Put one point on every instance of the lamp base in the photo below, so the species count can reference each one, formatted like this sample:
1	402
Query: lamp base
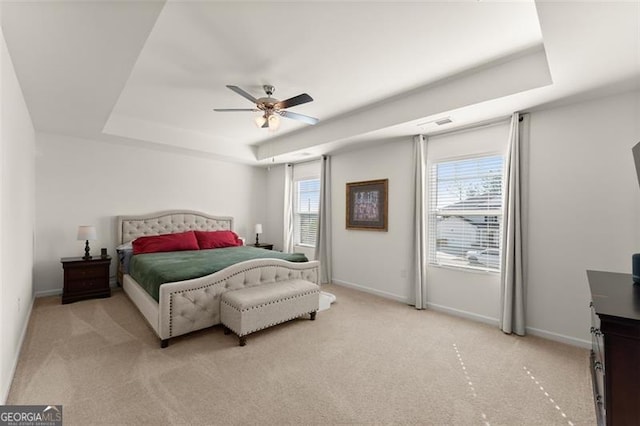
257	241
87	251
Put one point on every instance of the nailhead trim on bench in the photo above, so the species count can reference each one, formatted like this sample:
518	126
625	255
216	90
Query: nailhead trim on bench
269	303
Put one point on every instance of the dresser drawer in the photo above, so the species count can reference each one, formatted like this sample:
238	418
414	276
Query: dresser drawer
597	345
597	379
595	319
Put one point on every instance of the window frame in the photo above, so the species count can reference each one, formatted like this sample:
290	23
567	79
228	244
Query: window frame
433	213
297	214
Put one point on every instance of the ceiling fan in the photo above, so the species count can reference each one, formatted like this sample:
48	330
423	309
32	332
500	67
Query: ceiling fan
272	108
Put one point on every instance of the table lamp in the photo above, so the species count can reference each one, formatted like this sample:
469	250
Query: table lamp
258	232
87	233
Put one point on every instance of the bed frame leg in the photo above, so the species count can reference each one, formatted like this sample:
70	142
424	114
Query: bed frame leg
164	343
242	340
313	315
227	330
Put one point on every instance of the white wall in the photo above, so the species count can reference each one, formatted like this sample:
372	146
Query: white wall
584	206
17	205
584	214
84	182
380	262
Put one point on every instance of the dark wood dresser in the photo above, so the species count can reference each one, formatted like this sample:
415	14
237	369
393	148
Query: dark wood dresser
615	356
85	279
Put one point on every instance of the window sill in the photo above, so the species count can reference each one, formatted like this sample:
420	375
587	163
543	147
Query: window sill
307	246
465	269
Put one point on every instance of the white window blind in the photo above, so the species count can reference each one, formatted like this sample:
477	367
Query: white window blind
307	200
465	212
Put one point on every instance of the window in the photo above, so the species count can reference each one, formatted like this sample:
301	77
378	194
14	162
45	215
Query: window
465	212
306	202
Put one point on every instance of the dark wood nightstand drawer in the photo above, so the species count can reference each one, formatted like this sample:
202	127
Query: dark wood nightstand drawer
97	271
85	285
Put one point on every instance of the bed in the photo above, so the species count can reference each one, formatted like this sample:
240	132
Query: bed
189	305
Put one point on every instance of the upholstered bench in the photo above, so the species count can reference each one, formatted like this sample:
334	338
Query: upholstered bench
251	309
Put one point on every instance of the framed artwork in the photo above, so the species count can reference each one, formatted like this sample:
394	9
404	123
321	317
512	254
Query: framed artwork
367	205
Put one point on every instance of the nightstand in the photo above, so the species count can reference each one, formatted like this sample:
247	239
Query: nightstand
263	246
85	279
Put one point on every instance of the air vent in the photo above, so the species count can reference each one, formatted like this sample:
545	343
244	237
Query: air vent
438	122
443	121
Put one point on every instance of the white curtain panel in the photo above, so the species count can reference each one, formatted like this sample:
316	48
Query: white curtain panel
287	238
323	240
420	220
513	277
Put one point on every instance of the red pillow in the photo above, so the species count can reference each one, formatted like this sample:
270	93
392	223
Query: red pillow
165	242
217	239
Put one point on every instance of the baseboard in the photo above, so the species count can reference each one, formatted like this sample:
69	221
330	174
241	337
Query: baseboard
58	291
380	293
7	386
435	307
470	315
45	293
559	337
464	314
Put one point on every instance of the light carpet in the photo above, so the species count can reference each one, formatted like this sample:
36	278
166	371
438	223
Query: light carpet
367	360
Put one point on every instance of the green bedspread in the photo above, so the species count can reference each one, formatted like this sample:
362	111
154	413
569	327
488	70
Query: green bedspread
151	270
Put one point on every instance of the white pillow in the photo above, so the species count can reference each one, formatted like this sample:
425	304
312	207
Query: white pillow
125	246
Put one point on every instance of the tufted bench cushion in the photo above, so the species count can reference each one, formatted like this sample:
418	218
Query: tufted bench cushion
251	309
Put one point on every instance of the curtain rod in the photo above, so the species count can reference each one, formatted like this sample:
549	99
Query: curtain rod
306	161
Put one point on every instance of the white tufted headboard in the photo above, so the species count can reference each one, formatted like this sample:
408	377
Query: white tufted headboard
169	222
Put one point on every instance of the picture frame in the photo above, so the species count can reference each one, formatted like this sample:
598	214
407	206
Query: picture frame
367	205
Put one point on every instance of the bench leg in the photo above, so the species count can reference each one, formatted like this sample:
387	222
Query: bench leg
313	315
242	340
164	343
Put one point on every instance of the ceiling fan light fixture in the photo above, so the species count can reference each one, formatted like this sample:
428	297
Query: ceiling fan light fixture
260	120
271	109
274	122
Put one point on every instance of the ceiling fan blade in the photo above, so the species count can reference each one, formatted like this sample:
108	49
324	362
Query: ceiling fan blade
300	117
242	93
296	100
235	109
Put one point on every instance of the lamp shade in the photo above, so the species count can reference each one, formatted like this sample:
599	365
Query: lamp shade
260	120
87	233
258	228
274	122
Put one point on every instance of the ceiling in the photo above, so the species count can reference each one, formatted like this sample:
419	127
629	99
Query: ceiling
150	73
